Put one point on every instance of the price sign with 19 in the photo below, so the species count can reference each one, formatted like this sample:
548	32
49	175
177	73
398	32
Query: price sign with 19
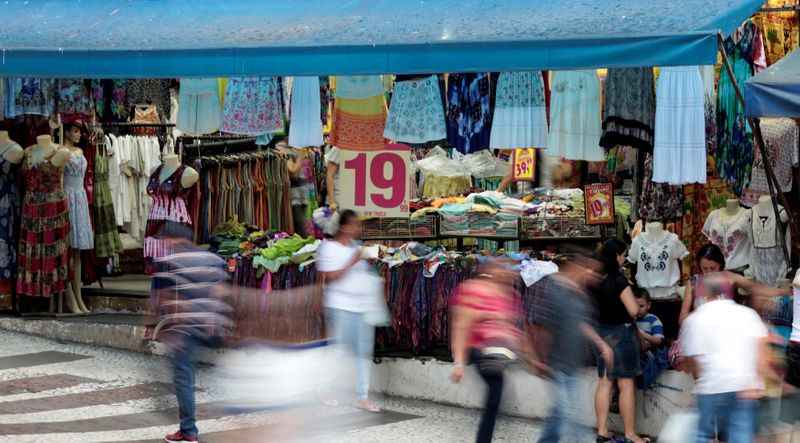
375	183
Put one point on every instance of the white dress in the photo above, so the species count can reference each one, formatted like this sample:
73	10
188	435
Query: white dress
520	113
679	151
305	127
769	263
658	269
575	125
732	234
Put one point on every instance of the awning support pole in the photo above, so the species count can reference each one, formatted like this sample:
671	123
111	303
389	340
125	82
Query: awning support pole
775	191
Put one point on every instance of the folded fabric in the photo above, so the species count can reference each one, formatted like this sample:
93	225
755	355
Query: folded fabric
534	270
286	247
455	208
271	265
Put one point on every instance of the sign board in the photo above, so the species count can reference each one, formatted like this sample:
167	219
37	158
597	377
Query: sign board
375	183
523	165
599	204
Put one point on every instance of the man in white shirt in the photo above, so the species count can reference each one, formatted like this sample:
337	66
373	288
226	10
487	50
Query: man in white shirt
723	342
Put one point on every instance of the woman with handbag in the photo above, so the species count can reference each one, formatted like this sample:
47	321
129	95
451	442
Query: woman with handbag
349	303
486	333
617	309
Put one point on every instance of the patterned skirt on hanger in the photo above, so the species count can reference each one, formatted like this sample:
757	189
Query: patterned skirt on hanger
416	114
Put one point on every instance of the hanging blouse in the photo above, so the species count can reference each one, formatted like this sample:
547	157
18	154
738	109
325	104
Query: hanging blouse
28	96
732	234
782	139
148	92
109	100
73	100
658	266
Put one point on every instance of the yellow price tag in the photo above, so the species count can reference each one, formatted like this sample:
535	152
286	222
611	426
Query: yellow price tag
524	165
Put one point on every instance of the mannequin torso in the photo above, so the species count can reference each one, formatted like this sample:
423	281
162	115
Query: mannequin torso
10	150
732	207
170	165
764	209
45	148
655	233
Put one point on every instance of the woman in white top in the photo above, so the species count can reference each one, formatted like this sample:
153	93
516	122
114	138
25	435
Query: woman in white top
347	300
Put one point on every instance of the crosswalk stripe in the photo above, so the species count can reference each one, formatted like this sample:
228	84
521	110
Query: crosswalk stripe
38	359
42	383
83	399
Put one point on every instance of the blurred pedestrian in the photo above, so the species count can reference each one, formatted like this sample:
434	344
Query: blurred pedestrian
486	333
560	322
298	190
723	346
348	300
190	294
617	310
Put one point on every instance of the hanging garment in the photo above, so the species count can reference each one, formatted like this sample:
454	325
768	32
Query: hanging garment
148	92
73	100
305	127
698	202
734	135
658	268
252	106
169	216
769	263
679	153
575	116
28	96
659	201
9	216
733	235
782	139
198	106
781	30
108	98
147	115
629	109
416	114
44	232
359	113
707	73
520	113
107	242
469	113
81	234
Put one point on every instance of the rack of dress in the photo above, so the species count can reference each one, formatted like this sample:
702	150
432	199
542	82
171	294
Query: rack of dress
237	182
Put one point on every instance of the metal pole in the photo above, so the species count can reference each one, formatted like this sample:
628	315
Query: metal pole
775	191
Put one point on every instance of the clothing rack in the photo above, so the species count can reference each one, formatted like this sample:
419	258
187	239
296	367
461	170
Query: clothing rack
139	125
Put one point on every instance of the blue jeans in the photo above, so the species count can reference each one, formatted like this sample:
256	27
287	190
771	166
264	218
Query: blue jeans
352	333
733	416
183	380
560	420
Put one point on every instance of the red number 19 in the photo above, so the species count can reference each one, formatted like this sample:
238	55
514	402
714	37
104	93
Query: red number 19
396	181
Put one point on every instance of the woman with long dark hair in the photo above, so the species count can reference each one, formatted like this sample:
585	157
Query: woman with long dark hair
616	324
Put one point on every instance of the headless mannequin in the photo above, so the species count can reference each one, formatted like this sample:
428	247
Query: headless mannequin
70	138
654	232
764	208
732	207
11	151
170	165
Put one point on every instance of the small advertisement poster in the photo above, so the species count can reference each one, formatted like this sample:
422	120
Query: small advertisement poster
599	201
524	165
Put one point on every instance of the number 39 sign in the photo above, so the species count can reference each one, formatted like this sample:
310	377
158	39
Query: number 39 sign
375	183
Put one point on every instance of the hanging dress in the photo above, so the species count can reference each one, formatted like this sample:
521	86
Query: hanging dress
253	106
520	114
469	113
169	215
80	222
679	152
198	106
9	217
416	113
629	109
575	116
106	241
768	261
44	231
734	136
359	113
305	128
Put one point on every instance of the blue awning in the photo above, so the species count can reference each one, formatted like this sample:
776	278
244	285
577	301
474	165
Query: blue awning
775	91
184	38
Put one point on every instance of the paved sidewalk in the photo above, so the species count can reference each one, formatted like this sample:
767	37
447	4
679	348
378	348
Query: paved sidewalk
66	392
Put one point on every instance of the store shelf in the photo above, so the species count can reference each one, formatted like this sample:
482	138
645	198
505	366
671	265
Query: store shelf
561	228
396	228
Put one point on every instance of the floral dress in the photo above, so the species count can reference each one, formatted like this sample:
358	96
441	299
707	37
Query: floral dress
81	233
253	106
44	233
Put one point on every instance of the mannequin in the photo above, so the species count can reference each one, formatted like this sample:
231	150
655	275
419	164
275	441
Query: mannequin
81	234
769	261
729	229
45	214
171	164
11	151
657	254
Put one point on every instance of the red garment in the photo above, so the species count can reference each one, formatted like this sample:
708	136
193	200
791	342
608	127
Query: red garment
482	296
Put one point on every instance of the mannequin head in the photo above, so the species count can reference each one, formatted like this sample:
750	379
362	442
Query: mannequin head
72	133
710	259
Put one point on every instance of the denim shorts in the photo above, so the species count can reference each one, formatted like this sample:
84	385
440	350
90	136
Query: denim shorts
622	339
